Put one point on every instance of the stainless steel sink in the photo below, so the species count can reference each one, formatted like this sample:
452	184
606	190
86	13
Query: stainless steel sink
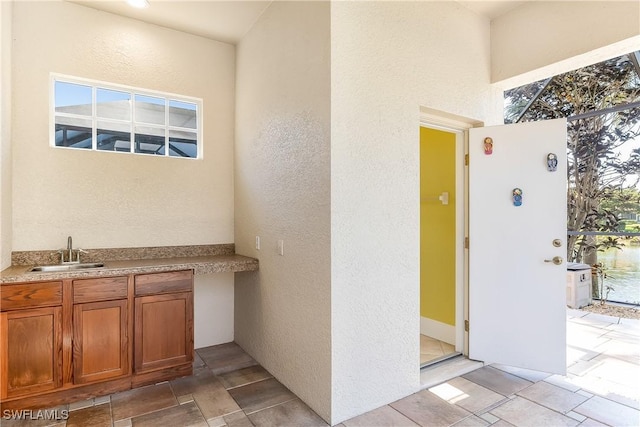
66	267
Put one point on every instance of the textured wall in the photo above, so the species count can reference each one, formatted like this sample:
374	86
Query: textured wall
108	199
387	60
120	200
545	34
282	193
5	135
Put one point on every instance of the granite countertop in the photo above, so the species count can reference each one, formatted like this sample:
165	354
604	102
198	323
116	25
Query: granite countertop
212	259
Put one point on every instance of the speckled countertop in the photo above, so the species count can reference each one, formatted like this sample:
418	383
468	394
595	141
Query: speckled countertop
203	259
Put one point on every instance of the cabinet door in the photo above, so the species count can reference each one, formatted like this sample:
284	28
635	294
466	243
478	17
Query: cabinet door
163	331
100	344
31	351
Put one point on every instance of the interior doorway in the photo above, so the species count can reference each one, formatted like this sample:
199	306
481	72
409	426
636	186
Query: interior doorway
442	202
529	276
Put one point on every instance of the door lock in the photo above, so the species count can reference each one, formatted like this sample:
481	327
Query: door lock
557	260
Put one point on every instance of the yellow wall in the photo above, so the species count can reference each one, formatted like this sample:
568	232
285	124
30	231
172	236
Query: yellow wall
437	225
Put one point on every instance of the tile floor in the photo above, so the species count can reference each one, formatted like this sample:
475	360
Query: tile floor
228	388
432	349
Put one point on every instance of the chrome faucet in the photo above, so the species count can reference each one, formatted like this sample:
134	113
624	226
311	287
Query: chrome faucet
69	251
70	248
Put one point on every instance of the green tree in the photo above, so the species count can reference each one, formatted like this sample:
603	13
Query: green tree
602	104
622	201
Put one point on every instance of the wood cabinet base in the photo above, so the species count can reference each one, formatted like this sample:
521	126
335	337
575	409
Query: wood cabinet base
166	374
77	393
74	339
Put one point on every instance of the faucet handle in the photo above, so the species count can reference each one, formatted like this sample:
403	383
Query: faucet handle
78	252
61	252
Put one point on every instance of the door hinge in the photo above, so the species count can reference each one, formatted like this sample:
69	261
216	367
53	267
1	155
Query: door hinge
466	160
466	243
466	326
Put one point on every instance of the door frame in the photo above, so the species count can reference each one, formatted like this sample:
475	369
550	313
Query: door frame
459	126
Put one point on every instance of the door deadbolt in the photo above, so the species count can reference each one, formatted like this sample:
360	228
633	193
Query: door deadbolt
557	243
557	260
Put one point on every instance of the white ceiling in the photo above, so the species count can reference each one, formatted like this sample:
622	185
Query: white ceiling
226	21
229	21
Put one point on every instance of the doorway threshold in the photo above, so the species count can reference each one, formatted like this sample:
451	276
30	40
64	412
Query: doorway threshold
446	369
439	359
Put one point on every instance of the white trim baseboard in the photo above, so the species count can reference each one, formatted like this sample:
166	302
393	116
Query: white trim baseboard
438	330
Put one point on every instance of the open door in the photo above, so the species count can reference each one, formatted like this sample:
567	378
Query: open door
517	271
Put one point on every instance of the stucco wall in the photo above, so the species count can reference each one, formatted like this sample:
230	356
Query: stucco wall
5	135
282	183
387	60
544	34
106	199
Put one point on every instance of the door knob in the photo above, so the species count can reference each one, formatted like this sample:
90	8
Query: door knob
557	260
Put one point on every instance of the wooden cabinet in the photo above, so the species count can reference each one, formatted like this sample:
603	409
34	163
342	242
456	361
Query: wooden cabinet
31	338
163	321
66	340
100	329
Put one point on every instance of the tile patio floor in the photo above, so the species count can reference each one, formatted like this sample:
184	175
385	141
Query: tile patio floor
229	388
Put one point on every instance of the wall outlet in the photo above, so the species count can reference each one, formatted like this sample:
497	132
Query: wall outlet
258	242
281	247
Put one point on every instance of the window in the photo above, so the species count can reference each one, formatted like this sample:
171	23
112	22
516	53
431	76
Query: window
107	117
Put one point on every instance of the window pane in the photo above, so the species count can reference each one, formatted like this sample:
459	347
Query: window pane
149	140
113	104
114	136
183	144
123	119
73	132
149	109
73	98
182	114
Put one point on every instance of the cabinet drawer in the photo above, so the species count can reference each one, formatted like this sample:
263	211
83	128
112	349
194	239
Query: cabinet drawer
162	283
100	289
28	295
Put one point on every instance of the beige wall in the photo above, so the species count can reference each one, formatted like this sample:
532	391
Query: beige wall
108	199
5	135
552	37
387	60
282	183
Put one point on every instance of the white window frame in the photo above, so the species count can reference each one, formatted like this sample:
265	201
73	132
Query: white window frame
132	91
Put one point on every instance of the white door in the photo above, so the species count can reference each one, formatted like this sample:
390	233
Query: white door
517	299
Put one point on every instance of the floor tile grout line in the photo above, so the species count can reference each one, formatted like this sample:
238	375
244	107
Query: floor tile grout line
472	414
551	409
400	412
590	417
607	399
521	377
195	402
412	420
193	397
151	412
110	412
249	383
493	406
271	406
